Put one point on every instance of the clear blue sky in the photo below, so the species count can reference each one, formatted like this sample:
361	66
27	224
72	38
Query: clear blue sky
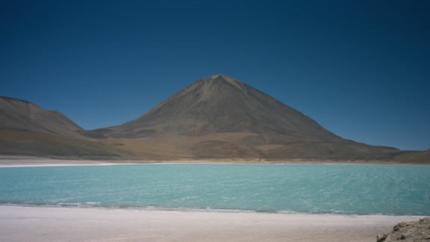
360	68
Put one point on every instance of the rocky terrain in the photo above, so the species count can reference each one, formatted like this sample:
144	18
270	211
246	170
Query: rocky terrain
417	231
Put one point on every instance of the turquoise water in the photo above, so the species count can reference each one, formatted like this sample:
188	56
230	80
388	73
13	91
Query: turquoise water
302	188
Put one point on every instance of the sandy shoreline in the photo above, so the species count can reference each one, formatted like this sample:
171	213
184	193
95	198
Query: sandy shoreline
19	223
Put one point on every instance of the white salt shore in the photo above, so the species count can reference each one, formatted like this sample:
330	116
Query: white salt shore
19	223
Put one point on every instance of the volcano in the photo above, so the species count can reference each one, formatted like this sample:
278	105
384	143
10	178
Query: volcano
221	117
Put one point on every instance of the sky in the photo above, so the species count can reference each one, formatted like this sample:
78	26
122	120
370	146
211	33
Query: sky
359	68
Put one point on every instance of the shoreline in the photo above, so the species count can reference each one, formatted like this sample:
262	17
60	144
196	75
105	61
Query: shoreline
94	205
25	223
18	161
35	165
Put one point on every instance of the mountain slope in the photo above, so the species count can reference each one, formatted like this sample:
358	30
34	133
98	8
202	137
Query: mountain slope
24	115
27	129
223	118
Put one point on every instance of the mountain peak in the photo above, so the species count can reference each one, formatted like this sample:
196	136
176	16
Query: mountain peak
223	79
220	77
6	98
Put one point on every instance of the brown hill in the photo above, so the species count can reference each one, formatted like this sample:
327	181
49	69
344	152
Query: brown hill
27	129
24	115
223	118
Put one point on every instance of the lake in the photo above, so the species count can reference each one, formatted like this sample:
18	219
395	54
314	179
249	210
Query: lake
290	188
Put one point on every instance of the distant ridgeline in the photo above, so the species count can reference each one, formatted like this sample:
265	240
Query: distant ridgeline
215	118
